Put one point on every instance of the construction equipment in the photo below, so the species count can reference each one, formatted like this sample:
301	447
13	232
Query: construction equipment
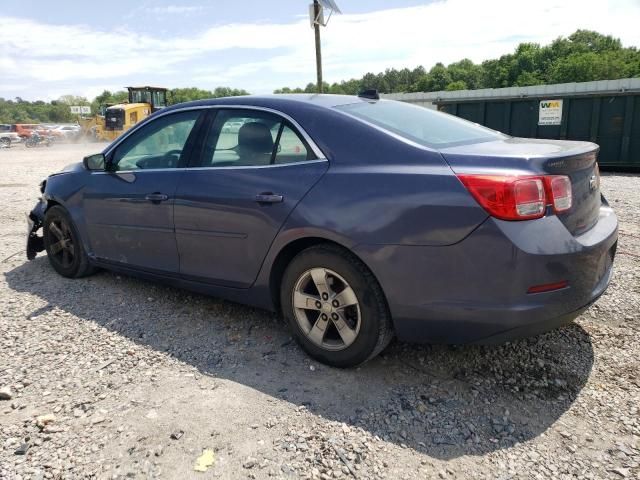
91	125
119	118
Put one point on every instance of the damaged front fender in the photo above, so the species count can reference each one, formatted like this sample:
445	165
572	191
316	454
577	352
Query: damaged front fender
35	219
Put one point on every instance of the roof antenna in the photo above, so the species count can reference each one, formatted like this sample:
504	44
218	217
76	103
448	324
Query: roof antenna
370	93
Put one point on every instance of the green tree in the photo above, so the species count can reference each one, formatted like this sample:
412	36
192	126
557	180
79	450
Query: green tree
582	56
108	98
228	92
467	72
588	66
438	77
73	100
457	85
181	95
590	41
57	111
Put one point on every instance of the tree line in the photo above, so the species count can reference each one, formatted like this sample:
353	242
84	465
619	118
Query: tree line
57	111
581	57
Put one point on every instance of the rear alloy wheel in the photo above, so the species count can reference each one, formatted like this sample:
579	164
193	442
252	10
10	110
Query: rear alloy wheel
326	309
64	249
335	307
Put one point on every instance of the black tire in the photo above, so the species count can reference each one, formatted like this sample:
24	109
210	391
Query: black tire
5	142
62	243
375	326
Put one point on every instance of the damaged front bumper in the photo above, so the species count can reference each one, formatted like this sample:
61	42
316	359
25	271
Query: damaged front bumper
35	219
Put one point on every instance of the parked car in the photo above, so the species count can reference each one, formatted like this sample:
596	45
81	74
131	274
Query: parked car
68	132
8	136
50	130
233	127
356	218
25	130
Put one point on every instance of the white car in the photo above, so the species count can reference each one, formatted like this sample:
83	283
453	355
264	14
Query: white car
66	131
7	136
232	126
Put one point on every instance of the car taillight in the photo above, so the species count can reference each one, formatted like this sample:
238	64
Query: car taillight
560	187
509	197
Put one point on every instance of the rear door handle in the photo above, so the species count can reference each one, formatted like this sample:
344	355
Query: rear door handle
156	197
269	198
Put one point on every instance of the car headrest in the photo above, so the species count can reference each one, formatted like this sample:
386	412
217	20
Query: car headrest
256	137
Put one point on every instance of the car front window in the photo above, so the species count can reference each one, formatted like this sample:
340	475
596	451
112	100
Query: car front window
418	124
157	145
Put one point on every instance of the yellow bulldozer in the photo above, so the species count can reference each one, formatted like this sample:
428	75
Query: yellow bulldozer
113	120
90	125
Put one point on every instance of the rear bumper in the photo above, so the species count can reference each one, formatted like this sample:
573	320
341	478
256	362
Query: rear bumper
476	290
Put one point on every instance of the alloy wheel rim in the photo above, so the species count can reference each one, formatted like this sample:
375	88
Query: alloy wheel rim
62	247
326	309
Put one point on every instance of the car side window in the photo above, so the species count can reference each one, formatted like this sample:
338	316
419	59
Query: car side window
291	148
158	144
251	138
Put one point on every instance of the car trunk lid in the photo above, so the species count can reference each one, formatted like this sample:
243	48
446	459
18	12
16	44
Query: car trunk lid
524	156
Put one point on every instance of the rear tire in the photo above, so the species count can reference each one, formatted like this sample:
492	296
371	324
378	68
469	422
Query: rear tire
335	307
5	142
63	245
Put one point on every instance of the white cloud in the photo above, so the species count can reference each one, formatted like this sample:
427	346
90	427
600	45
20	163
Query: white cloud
176	9
40	60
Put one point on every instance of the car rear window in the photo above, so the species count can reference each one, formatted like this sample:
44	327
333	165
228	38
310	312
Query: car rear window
421	125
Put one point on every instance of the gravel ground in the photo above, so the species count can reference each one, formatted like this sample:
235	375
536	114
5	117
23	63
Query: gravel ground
112	377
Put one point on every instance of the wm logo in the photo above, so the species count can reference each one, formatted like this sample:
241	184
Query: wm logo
555	104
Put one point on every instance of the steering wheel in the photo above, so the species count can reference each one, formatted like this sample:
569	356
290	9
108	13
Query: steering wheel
168	159
172	153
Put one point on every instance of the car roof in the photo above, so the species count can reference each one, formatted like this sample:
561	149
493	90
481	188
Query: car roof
279	101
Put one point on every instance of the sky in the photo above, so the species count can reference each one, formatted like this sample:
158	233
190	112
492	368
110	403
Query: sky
83	47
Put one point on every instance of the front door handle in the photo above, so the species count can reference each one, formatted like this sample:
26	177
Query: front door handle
156	197
269	197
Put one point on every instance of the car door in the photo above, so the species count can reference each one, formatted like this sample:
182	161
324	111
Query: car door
129	207
253	169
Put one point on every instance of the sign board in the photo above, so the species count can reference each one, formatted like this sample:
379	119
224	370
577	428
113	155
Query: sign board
330	5
312	15
550	112
77	110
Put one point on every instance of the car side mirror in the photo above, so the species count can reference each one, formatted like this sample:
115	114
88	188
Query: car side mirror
94	162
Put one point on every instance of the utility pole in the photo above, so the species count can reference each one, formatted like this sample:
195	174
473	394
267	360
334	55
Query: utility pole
316	14
316	26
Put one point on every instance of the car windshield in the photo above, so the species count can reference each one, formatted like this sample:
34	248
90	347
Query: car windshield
421	125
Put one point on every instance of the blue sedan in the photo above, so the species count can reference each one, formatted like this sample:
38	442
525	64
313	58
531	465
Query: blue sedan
356	218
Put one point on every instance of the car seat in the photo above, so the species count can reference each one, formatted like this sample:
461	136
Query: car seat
255	144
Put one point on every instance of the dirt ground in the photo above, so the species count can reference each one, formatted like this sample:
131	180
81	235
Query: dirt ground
112	377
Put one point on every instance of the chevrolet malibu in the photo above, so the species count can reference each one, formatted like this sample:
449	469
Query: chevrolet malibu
356	218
